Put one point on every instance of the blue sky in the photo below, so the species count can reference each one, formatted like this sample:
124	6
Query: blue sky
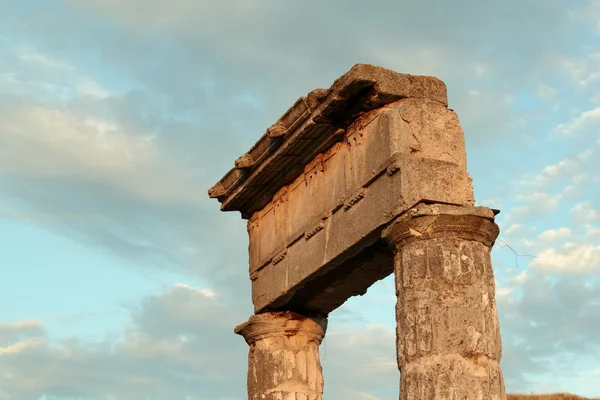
122	280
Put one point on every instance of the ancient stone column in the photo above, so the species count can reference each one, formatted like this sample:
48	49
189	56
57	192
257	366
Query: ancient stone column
283	362
448	338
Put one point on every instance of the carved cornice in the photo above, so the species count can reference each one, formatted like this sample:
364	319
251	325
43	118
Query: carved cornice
282	323
432	221
312	125
245	161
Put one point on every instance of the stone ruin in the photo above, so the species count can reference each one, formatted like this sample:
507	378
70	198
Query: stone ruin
351	184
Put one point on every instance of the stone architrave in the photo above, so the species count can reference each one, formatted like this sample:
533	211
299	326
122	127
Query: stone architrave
331	190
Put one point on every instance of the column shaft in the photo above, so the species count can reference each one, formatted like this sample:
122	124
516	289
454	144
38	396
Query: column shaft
283	361
448	337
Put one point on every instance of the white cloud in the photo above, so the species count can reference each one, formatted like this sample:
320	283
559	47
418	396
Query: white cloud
20	325
584	212
425	61
20	347
555	187
52	143
594	234
581	124
520	277
150	360
546	327
513	229
13	332
21	336
572	171
89	87
545	200
554	234
481	69
40	60
591	372
545	91
373	348
570	258
503	293
209	293
582	70
351	394
560	168
491	203
46	77
535	205
88	143
49	138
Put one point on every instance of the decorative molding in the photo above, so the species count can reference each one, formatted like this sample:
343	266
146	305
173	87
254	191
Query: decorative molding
316	228
216	191
279	257
442	221
281	196
245	161
276	130
313	168
392	168
311	126
355	198
282	323
315	97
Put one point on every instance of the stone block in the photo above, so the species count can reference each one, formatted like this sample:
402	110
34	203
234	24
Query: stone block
348	193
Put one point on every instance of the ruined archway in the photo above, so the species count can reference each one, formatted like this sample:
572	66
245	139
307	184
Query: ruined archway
351	184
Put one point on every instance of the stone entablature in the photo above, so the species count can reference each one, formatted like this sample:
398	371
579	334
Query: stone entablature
379	163
309	127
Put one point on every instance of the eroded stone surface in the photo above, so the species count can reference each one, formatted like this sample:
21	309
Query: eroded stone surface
452	377
313	124
351	184
390	159
448	337
283	361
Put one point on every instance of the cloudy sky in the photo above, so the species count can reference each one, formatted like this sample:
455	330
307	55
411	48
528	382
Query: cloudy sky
122	280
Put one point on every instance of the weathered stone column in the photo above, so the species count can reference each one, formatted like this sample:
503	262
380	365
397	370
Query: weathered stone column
448	338
283	362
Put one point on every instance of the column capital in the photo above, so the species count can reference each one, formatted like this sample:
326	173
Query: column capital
431	221
282	323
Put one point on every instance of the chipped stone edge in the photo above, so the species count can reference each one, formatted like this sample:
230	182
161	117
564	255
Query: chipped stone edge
311	107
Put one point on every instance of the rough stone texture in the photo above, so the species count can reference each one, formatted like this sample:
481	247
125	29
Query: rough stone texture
352	183
283	362
390	159
326	178
313	124
448	337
